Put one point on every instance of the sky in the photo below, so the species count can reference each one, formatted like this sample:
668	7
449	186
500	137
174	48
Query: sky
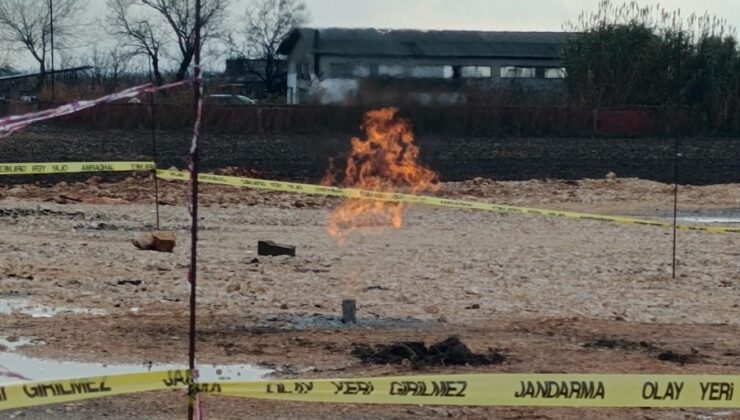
494	15
501	15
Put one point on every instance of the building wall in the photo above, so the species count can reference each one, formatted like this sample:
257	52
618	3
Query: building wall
334	79
300	78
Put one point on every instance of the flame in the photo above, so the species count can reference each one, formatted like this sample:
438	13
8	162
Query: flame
385	161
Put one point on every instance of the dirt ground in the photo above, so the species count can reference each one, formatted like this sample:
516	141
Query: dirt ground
552	295
305	156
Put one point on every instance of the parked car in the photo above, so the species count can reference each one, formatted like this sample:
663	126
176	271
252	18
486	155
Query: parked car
225	99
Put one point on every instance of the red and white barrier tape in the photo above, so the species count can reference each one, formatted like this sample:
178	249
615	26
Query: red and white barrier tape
13	123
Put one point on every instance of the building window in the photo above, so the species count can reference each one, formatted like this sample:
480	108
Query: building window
514	72
555	73
432	72
303	70
391	70
361	71
340	70
475	72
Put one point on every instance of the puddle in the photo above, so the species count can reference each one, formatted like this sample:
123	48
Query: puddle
11	343
43	369
725	216
709	219
25	307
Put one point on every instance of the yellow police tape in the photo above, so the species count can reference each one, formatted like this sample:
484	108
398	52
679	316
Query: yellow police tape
551	390
354	193
72	167
544	390
30	394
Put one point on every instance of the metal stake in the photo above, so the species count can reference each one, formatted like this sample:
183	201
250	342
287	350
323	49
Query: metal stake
675	203
153	119
51	28
192	392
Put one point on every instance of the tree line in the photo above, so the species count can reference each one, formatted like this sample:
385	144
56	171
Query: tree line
161	32
632	55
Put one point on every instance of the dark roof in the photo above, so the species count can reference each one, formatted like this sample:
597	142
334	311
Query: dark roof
243	68
28	75
417	43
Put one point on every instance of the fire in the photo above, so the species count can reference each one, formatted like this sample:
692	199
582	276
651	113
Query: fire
385	161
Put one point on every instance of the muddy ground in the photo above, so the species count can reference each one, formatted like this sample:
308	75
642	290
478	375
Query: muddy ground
704	160
550	295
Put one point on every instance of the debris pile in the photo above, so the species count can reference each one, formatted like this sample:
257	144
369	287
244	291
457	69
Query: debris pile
451	351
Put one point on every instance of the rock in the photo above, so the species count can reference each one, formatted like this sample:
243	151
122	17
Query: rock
131	282
163	267
234	287
164	241
105	200
72	283
611	176
270	248
432	309
144	241
16	190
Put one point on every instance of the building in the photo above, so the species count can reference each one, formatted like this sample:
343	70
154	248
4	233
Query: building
249	77
338	65
29	84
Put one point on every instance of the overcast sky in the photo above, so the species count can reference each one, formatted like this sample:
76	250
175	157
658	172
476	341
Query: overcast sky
496	15
501	15
529	15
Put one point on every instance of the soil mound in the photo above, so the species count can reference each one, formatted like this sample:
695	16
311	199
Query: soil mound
451	351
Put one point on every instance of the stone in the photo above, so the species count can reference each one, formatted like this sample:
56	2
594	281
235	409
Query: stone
164	241
433	310
270	248
144	241
233	288
611	176
105	200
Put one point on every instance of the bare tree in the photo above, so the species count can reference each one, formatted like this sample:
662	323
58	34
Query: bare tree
118	65
27	25
137	32
179	16
267	24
